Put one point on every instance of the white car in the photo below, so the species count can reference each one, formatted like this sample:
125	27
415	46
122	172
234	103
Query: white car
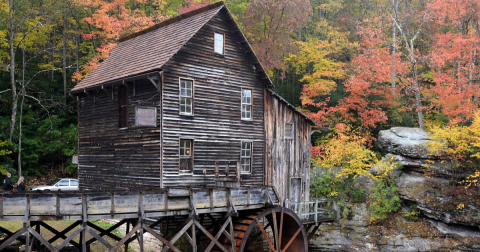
64	184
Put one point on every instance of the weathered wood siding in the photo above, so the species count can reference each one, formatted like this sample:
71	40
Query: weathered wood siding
287	160
113	157
130	157
216	127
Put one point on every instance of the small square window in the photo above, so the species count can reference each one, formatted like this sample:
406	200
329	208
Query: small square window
219	43
289	131
246	104
246	157
186	154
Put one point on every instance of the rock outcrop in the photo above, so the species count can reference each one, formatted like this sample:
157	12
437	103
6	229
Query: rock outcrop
449	214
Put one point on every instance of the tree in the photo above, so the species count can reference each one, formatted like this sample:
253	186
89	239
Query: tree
455	58
409	27
111	20
369	95
270	25
319	63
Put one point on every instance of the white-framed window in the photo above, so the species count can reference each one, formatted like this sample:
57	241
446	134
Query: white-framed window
219	44
289	131
186	155
246	157
186	96
246	104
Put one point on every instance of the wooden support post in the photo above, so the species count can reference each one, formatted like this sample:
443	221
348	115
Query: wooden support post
316	212
126	232
166	201
194	239
238	175
232	235
1	206
112	204
83	237
275	229
210	192
194	211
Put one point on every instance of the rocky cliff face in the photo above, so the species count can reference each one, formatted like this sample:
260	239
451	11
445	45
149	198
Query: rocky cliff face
449	214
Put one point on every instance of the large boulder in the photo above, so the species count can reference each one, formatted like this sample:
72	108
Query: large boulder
405	141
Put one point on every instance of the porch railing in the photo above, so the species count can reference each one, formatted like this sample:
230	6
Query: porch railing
314	211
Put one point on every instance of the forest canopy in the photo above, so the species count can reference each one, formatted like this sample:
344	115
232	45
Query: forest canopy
361	65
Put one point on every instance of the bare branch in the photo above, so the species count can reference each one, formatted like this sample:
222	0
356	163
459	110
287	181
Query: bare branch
5	91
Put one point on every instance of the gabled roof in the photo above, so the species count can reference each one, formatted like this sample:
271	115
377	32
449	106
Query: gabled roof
148	50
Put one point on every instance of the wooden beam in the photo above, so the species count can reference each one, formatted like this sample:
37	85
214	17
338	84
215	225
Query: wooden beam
292	239
61	234
160	238
127	237
220	246
10	239
41	239
265	235
98	237
219	233
180	233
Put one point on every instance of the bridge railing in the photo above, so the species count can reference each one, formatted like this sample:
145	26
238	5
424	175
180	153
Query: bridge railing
314	211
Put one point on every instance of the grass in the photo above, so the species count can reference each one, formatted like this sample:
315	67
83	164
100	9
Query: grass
14	226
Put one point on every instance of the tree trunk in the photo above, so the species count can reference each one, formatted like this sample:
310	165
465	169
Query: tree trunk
11	41
65	52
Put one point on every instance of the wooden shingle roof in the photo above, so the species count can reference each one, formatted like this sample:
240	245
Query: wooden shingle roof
150	49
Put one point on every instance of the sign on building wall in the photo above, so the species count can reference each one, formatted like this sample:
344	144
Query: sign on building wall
146	116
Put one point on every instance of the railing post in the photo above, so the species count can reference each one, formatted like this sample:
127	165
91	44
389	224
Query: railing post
300	210
316	211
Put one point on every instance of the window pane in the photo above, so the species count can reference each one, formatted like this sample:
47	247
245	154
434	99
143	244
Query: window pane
219	43
186	95
73	182
63	183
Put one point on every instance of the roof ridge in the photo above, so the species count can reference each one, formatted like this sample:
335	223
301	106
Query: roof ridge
172	20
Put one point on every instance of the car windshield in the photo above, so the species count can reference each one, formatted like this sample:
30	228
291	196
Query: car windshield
53	182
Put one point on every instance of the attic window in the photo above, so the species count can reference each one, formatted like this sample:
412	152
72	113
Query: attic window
219	43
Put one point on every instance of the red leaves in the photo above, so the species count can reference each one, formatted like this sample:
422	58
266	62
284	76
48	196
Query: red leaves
111	20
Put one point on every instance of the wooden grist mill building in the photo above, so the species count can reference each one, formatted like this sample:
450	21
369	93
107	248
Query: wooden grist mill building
180	136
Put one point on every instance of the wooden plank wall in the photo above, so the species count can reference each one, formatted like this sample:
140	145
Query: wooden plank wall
286	159
216	127
112	157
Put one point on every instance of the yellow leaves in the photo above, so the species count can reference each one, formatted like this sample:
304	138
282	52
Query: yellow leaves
460	206
456	142
385	166
347	150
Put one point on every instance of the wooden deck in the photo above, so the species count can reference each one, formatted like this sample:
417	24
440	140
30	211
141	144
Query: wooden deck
94	205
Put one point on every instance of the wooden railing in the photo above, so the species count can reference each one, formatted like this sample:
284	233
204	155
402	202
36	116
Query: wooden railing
314	211
96	205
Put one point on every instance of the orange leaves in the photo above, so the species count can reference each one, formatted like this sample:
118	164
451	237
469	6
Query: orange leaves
110	21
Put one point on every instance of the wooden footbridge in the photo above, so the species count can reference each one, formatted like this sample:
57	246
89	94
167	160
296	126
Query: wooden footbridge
210	219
